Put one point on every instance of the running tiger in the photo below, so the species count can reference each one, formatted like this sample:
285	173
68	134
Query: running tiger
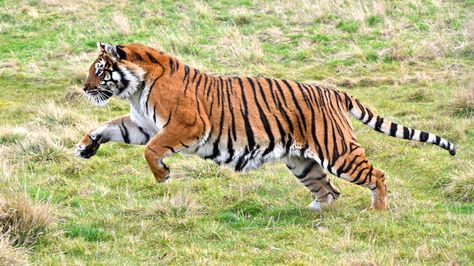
240	122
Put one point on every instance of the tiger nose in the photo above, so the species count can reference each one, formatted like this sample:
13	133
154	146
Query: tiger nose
86	88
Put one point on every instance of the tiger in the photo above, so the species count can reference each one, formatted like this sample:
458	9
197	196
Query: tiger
239	122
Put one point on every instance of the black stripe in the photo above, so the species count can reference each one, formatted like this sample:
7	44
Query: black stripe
245	116
306	170
279	105
270	85
313	130
295	100
306	98
438	140
423	136
362	111
169	119
378	124
280	129
325	127
122	80
281	92
231	110
406	133
240	163
152	59
197	86
149	92
288	144
195	75
263	94
209	87
393	130
164	165
206	78
186	72
138	56
357	166
367	176
120	52
370	116
263	118
170	148
349	166
215	150
218	88
358	176
147	136
171	66
124	133
230	147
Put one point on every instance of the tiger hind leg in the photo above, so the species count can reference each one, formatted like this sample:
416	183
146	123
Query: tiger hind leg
358	170
315	178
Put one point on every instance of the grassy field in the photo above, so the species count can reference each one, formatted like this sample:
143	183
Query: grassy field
410	61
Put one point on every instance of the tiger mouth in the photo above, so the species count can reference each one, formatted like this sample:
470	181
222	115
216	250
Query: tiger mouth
99	97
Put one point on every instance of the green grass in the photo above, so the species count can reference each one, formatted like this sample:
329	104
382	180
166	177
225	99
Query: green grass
410	62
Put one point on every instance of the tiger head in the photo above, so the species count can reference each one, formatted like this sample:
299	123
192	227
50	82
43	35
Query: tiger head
112	74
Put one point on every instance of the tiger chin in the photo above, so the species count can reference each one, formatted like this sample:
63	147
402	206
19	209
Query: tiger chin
240	122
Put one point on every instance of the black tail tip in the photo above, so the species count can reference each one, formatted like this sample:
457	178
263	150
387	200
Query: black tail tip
452	151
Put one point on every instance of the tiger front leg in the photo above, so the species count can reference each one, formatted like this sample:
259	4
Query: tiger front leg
168	141
121	129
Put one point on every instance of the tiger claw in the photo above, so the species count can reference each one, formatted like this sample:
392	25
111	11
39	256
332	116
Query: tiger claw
89	150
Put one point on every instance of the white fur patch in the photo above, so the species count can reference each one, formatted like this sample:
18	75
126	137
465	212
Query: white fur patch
134	77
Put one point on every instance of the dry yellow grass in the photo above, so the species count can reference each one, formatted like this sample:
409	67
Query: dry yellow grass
181	204
10	255
22	220
49	137
461	186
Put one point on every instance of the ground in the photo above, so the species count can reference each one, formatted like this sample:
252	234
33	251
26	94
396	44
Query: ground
410	61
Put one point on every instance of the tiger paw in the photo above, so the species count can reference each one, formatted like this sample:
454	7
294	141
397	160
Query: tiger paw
319	204
88	147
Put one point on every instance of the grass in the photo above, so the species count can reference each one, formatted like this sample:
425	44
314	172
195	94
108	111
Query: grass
410	61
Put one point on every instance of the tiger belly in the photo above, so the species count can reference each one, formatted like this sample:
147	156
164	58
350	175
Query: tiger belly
239	158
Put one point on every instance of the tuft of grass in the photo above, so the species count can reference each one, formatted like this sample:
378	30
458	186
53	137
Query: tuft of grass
179	205
10	255
121	22
87	232
348	26
461	186
240	48
463	102
374	20
48	137
22	220
196	168
241	16
41	148
469	35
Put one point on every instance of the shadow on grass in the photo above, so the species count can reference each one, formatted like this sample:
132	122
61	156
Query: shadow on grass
251	213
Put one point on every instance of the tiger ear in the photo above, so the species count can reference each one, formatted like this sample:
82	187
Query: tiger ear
101	46
115	51
111	49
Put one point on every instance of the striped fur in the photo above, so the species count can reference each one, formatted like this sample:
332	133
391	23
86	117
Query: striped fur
240	122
